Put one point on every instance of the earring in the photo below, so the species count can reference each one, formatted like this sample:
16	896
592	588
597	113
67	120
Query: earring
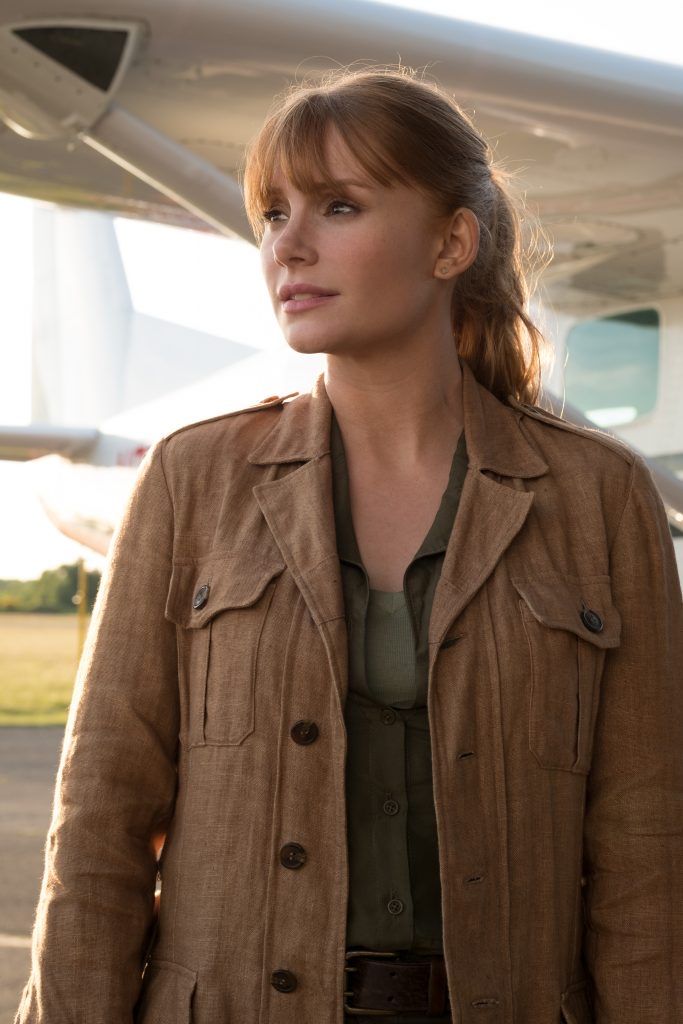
444	270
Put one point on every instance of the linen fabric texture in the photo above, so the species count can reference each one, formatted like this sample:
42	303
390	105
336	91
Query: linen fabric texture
556	749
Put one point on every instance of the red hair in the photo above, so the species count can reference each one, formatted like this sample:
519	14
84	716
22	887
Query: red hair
404	130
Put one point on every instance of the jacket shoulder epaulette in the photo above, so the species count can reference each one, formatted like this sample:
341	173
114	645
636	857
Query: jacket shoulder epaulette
266	403
594	433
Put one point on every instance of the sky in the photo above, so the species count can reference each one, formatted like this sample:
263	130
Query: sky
28	541
643	30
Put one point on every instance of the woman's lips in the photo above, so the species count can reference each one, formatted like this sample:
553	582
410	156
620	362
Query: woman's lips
299	305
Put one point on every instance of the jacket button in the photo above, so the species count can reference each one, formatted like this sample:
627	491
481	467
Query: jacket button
292	855
387	716
390	806
201	597
395	906
591	620
283	981
304	732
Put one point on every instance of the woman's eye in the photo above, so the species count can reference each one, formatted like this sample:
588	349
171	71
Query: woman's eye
340	205
334	207
271	215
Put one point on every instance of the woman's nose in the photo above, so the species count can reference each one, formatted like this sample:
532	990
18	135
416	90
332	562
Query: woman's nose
293	244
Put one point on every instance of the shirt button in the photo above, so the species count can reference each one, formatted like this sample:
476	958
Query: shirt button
304	732
292	855
395	906
390	807
387	716
283	981
201	597
591	620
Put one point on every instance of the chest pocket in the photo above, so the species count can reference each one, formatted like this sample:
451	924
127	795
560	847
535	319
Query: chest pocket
219	606
570	624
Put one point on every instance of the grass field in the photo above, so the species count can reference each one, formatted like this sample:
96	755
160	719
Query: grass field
37	668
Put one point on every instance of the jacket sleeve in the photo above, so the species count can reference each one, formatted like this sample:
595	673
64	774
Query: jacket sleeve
116	782
633	832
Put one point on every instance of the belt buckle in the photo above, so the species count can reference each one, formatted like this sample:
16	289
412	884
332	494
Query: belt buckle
358	1010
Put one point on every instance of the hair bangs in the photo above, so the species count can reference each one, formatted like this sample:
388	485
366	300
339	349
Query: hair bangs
293	143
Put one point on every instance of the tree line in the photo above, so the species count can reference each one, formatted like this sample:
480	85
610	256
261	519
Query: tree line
55	591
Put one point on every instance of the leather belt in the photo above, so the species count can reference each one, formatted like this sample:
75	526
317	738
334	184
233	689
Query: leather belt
382	983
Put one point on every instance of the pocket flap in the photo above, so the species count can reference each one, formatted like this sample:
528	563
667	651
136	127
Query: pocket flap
559	601
202	588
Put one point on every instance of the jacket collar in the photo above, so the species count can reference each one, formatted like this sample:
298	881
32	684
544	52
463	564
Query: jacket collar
493	433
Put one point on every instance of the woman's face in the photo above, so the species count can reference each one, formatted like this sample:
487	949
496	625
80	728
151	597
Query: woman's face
355	270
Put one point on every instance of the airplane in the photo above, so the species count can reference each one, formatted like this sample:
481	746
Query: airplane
147	116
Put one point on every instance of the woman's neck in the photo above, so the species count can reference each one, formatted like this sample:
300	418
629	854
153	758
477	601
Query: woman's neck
397	417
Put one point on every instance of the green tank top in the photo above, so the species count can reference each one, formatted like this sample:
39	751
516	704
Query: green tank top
390	649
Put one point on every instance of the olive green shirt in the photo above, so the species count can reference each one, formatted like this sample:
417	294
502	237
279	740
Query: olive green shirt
394	885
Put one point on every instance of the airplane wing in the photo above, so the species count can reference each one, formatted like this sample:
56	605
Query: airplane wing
93	534
149	116
34	441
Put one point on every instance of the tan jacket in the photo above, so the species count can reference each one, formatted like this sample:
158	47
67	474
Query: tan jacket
555	714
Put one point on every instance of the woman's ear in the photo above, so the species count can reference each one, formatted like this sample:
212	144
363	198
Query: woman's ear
459	244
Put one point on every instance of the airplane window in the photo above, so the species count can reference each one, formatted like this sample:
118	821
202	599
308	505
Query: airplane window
612	366
92	53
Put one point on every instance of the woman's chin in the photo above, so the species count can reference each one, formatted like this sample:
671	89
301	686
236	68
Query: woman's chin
313	342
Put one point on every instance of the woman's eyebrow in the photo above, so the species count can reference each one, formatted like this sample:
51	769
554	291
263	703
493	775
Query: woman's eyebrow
321	188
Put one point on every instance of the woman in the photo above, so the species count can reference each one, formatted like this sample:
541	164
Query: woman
392	669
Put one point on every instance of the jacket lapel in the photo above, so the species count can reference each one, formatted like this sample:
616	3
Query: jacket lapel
299	510
491	513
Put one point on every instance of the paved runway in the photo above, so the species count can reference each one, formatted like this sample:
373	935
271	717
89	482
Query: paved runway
28	765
